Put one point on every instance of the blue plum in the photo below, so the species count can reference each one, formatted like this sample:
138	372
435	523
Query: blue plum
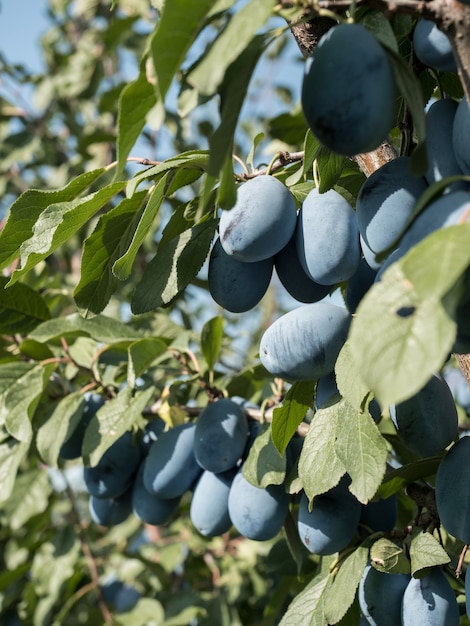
348	91
72	446
442	161
430	601
148	507
256	513
461	136
120	595
293	277
151	433
209	504
453	492
327	237
170	467
427	422
326	389
432	46
304	343
261	222
359	284
221	435
385	203
115	470
235	285
333	521
380	597
380	516
111	511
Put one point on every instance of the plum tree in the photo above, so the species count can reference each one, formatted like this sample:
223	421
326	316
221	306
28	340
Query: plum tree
340	99
327	261
430	600
261	222
304	343
221	436
236	285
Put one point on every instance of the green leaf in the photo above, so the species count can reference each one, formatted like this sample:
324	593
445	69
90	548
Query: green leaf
287	418
110	239
379	25
402	333
258	138
362	450
340	595
179	25
112	420
122	266
308	607
25	211
147	612
173	267
209	73
57	223
425	552
211	340
29	498
135	101
350	385
397	479
21	308
18	402
101	328
387	556
330	166
55	562
320	467
12	453
60	424
264	465
142	354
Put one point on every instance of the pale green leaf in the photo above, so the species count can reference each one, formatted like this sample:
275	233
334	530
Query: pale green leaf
426	552
362	450
387	556
123	264
330	166
320	467
211	340
12	453
350	385
100	328
25	211
60	424
110	239
173	267
286	419
397	479
231	42
55	561
147	612
340	595
264	465
57	223
29	498
142	354
112	420
402	333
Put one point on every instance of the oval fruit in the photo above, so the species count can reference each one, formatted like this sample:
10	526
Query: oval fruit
385	203
209	504
170	467
380	596
235	285
380	516
304	343
261	222
257	513
221	435
348	92
111	511
452	493
148	507
294	279
72	447
332	522
461	136
432	46
430	601
442	161
427	422
115	470
327	237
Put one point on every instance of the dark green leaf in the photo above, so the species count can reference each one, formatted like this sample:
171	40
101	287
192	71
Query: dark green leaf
211	340
21	308
426	552
397	479
142	354
264	465
330	166
287	418
387	556
100	328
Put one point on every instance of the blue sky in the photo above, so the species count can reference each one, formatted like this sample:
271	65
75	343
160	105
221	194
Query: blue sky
21	24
